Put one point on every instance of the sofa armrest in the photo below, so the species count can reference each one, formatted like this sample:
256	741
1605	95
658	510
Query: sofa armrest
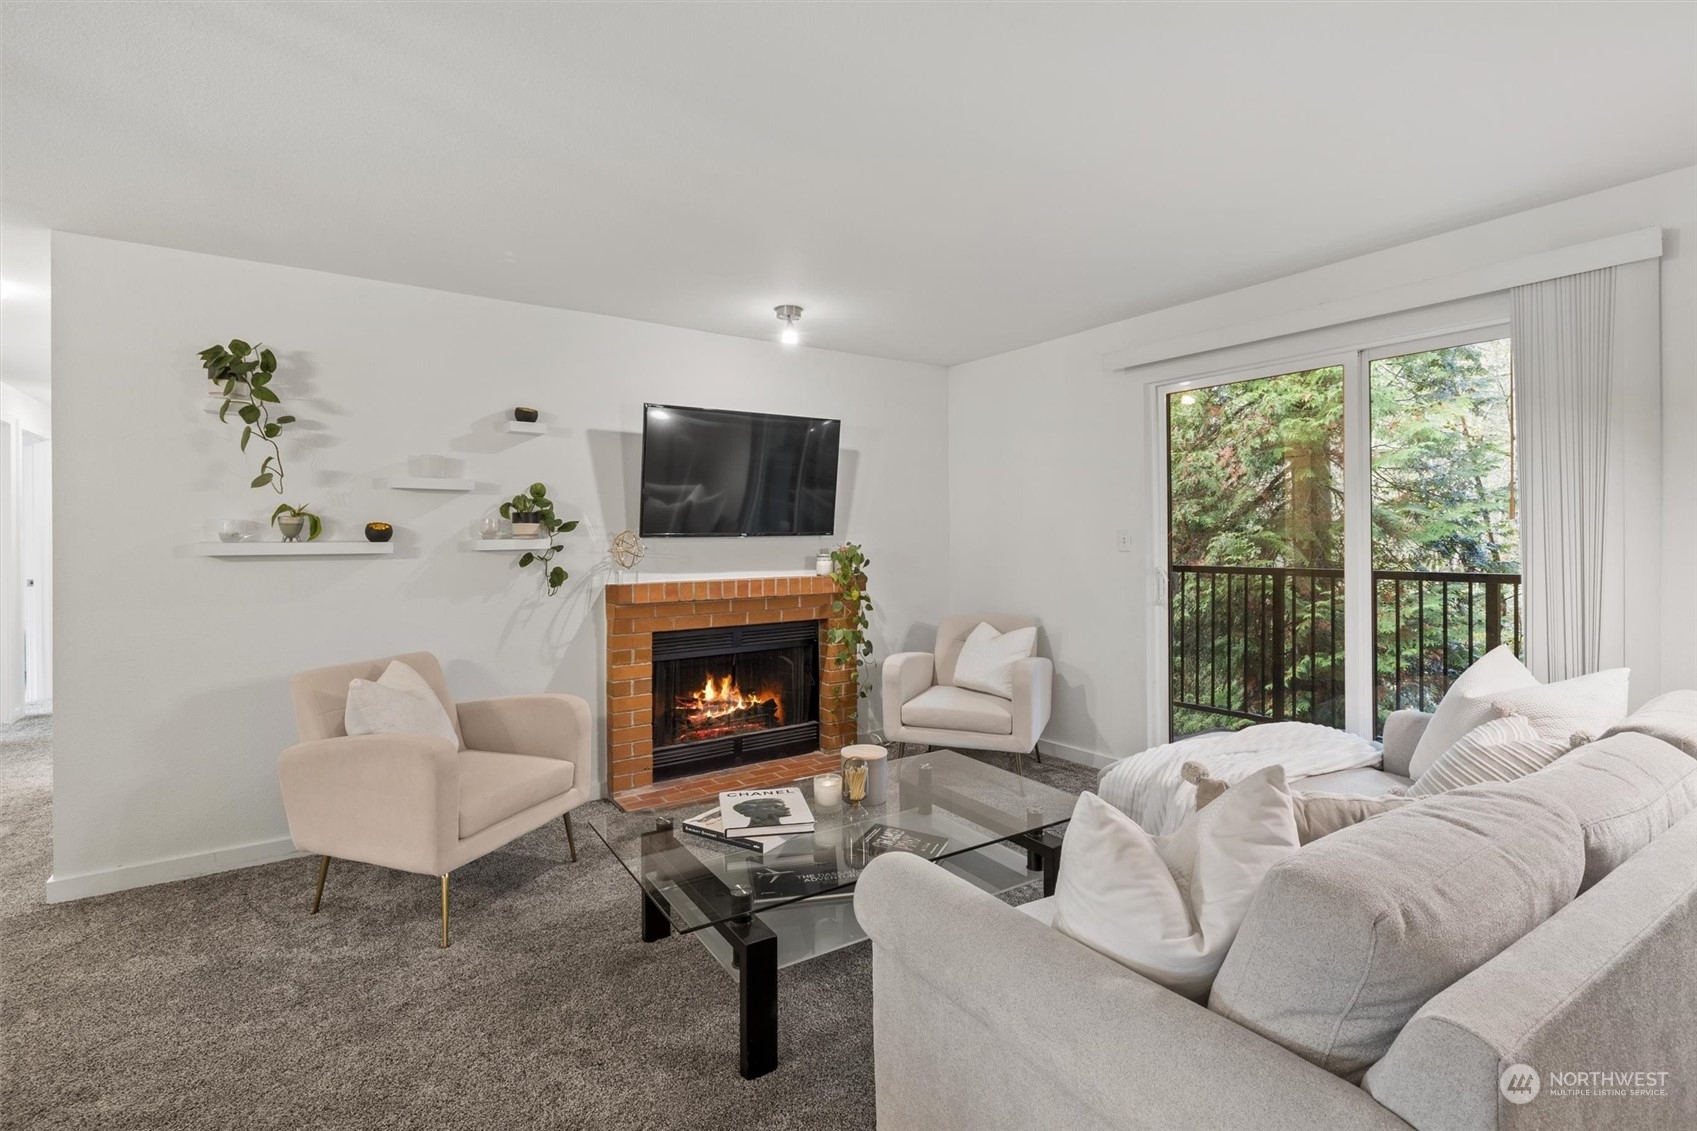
906	674
386	799
1402	734
985	1018
1033	686
543	726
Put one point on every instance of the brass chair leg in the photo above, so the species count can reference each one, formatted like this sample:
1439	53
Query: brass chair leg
444	910
1037	754
318	893
1018	764
571	841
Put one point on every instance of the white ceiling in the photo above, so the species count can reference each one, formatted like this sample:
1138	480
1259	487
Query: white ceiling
930	181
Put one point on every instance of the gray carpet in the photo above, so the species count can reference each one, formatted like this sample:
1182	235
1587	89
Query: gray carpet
219	1003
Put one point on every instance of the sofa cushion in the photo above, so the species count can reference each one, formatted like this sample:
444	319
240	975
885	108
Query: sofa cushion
1500	750
1362	782
1604	984
1626	791
1467	703
1671	717
495	786
1587	705
956	708
1168	907
1321	814
1352	934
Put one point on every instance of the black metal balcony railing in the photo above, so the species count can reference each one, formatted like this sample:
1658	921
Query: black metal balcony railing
1265	643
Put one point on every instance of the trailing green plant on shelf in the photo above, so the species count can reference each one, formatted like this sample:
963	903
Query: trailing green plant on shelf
243	374
292	520
532	516
848	609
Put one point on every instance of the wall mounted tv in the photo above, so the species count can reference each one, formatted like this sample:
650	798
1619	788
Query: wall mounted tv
714	473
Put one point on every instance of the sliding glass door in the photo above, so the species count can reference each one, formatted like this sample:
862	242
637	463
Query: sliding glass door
1341	540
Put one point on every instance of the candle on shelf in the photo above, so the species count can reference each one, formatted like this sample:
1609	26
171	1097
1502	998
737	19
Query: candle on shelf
828	790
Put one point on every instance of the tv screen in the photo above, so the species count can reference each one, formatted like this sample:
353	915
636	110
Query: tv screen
711	472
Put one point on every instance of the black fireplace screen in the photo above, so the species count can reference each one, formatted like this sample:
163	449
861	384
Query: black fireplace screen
730	696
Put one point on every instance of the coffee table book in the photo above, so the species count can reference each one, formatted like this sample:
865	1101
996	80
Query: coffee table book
711	824
778	811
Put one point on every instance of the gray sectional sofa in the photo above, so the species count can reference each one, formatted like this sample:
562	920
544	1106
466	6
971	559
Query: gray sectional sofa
1388	975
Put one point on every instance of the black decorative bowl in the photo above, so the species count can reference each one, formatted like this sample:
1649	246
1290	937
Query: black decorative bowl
525	415
378	532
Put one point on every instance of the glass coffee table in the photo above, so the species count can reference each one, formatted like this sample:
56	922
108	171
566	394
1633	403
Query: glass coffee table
757	913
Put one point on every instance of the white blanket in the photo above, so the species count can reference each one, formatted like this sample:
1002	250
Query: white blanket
1148	788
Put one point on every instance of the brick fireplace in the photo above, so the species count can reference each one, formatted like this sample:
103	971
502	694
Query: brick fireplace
636	612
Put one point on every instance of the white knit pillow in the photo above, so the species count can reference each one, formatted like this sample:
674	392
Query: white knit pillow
988	657
1587	704
400	702
1500	750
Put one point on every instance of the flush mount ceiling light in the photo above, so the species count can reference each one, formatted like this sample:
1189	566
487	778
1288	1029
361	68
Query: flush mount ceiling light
788	315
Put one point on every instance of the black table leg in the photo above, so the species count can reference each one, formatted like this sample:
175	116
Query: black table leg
655	924
1042	852
757	994
1051	868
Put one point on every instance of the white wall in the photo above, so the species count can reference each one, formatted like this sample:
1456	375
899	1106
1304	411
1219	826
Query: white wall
1049	456
171	697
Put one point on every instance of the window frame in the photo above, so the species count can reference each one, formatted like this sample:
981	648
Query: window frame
1355	362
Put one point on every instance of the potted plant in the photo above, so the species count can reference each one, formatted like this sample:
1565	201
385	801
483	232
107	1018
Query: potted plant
291	520
848	612
532	515
243	373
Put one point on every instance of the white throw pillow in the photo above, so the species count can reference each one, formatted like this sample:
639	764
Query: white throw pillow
1500	750
1169	907
1585	705
400	702
988	657
1467	703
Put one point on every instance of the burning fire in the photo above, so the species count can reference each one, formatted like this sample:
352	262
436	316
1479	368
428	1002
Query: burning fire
722	698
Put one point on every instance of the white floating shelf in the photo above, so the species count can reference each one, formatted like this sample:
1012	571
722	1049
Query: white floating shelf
525	428
292	549
430	483
497	545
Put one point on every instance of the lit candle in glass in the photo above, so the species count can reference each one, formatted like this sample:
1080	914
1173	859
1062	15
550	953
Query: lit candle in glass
828	790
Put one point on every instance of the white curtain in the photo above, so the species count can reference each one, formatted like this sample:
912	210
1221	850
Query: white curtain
1564	392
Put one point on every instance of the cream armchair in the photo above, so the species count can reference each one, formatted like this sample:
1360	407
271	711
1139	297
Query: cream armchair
922	705
425	804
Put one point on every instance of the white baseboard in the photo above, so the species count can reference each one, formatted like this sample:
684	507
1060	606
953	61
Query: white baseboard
63	889
1077	754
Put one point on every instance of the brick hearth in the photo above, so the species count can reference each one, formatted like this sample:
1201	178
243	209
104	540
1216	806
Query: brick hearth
635	612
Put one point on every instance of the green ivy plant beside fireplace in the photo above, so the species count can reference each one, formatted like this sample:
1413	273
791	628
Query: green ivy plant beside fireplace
534	509
244	373
848	610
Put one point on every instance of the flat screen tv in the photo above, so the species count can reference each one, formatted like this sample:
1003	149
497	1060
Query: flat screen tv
710	472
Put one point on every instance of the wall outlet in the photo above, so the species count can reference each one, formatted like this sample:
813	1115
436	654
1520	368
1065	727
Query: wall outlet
1122	541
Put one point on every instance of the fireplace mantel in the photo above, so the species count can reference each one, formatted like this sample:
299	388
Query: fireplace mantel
637	609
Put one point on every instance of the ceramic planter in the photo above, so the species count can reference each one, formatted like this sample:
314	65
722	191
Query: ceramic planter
525	415
527	524
291	526
378	532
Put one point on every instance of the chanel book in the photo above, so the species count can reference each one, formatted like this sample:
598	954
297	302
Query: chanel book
779	811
